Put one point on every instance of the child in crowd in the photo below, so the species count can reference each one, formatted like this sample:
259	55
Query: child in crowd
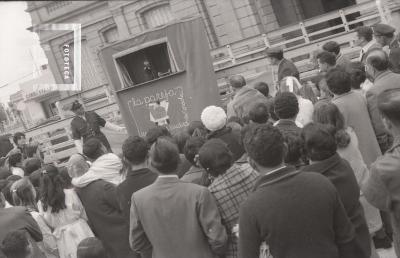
24	194
63	211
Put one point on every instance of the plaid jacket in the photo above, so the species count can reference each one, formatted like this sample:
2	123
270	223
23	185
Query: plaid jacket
230	191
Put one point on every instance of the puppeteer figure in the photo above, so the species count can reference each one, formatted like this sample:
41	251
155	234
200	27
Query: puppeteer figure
86	124
149	71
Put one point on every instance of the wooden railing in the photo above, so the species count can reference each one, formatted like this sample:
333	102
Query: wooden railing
298	40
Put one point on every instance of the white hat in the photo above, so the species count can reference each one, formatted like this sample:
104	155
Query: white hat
213	118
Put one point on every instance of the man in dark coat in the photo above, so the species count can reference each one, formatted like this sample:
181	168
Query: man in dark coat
135	152
320	147
295	214
384	35
285	66
214	119
86	124
100	200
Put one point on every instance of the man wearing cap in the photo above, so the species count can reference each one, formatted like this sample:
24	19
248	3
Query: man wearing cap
285	67
382	188
366	41
86	124
334	48
384	35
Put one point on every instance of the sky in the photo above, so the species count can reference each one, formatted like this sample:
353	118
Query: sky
17	47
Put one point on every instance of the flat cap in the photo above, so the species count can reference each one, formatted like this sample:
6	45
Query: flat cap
383	29
274	50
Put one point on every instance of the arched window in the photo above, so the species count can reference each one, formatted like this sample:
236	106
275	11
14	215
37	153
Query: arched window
157	16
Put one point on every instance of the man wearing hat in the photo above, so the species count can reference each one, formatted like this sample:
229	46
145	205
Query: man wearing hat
285	67
86	124
384	35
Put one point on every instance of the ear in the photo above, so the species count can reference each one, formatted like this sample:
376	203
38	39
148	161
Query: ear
388	124
285	150
252	163
196	160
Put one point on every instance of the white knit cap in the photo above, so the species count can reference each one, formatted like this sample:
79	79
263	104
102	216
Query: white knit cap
213	118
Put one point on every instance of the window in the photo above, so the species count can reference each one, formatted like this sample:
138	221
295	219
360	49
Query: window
146	64
157	16
110	35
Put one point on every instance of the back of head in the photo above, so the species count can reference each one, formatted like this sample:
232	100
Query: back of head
93	148
295	148
389	105
196	128
135	150
77	165
328	113
16	244
378	59
264	144
338	81
180	138
357	74
164	156
31	165
319	142
365	32
7	188
91	247
237	81
262	87
215	157
192	147
326	57
23	193
52	189
213	118
155	132
259	113
286	105
331	47
15	159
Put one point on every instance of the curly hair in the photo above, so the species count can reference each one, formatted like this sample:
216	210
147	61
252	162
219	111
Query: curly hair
52	189
286	105
264	144
215	157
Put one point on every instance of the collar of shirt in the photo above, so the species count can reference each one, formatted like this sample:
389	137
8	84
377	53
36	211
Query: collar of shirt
168	176
365	48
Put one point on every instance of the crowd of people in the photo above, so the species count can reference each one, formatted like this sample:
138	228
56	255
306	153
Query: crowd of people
312	171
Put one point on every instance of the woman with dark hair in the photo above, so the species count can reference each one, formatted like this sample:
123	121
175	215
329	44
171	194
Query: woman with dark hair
24	194
321	148
231	185
63	212
347	147
196	173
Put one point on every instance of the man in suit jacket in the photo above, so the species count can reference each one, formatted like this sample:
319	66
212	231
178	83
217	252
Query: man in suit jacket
285	66
366	41
175	218
134	150
377	69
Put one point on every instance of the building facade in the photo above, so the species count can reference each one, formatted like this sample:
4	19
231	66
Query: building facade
104	22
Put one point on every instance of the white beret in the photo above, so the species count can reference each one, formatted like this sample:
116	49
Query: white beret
213	118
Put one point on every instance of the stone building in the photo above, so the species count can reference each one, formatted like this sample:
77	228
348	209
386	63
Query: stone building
104	22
